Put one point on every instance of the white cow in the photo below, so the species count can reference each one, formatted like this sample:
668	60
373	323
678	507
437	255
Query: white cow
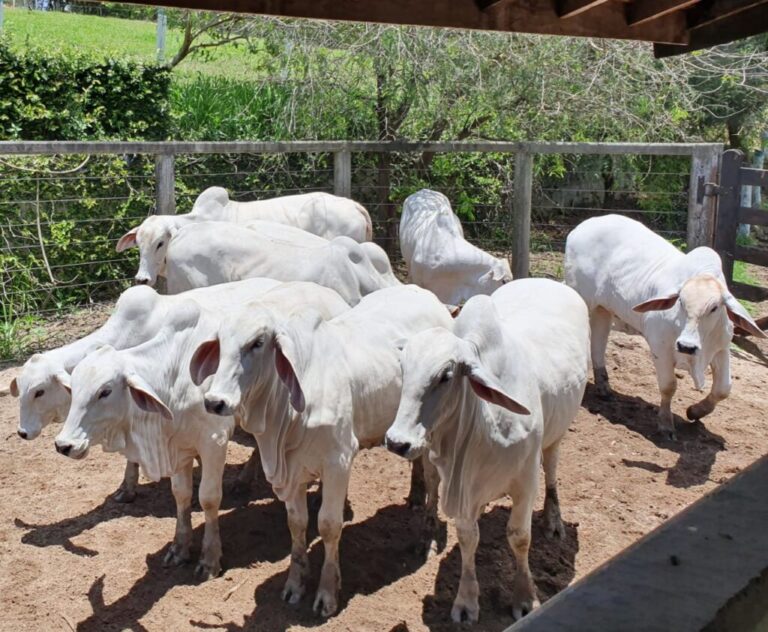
139	314
208	253
141	402
341	389
679	302
320	214
439	258
486	401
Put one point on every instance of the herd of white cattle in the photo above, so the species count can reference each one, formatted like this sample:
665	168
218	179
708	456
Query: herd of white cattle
283	317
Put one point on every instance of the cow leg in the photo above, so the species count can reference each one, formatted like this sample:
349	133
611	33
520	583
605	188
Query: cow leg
519	536
466	606
126	493
209	494
249	473
553	522
181	485
600	324
721	386
329	522
417	494
431	522
298	518
665	375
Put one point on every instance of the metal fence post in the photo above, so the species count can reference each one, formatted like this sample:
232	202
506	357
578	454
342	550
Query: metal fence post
2	15
342	173
702	203
165	185
161	29
521	214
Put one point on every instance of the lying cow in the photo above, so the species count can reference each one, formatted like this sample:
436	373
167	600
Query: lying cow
341	389
439	258
319	214
142	403
208	253
679	302
138	315
486	402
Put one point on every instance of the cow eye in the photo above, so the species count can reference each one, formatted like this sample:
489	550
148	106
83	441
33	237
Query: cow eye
105	393
258	343
160	245
714	309
39	393
446	376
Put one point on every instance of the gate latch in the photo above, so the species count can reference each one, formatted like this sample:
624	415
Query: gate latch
706	189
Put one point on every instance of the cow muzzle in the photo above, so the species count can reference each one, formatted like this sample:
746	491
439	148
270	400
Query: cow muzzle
402	447
68	449
142	280
218	406
686	348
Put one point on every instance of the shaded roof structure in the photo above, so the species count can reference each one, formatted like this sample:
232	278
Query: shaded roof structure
674	26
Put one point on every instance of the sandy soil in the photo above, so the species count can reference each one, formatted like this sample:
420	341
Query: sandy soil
72	558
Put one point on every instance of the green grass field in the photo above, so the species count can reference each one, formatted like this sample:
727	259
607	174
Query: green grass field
134	39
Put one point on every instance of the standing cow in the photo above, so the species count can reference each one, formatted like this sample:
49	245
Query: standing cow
487	402
439	258
680	303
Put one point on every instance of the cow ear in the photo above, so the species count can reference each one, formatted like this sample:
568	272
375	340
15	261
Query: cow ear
205	361
285	369
65	379
657	304
453	310
145	398
14	387
740	316
487	387
128	240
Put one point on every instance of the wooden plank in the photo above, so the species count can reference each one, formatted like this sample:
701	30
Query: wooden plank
342	173
702	209
521	215
753	216
49	148
165	185
750	22
647	10
711	11
484	5
727	210
749	293
607	19
572	8
749	254
754	177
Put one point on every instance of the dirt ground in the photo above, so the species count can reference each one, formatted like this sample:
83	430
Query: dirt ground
73	559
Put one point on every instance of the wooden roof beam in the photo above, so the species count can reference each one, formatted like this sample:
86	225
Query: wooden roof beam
484	5
710	11
752	21
647	10
572	8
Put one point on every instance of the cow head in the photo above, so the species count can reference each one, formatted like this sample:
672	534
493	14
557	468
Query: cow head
103	391
152	238
707	310
43	391
438	371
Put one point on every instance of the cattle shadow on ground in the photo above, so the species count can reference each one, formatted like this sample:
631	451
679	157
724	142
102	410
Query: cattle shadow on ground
749	351
251	534
374	553
551	562
153	499
696	446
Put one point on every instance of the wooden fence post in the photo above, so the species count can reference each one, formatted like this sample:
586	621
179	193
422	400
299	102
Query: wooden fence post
702	204
165	185
342	173
521	214
728	209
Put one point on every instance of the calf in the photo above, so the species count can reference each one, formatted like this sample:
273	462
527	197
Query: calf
679	302
486	402
314	393
208	253
439	258
138	315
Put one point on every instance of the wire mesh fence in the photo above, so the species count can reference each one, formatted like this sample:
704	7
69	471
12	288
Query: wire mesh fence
62	215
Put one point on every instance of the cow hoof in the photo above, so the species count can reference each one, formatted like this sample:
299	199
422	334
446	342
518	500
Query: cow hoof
325	603
292	593
175	556
204	571
124	496
465	613
519	610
